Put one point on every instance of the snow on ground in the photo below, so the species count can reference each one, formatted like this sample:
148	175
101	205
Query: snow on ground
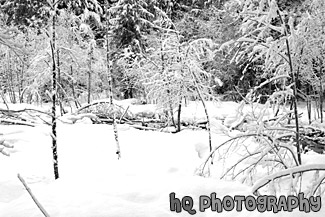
93	183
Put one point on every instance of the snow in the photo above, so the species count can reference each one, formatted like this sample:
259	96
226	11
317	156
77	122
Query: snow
287	172
93	182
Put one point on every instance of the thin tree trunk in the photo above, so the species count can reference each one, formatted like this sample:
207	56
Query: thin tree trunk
321	99
295	78
110	83
19	77
179	116
171	111
309	109
60	93
169	98
90	72
18	83
11	82
316	105
21	95
205	109
22	77
295	104
54	90
89	88
73	90
308	104
291	107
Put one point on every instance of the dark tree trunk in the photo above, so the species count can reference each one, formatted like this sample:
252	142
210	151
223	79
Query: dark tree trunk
54	90
321	100
295	104
179	116
295	81
308	104
110	84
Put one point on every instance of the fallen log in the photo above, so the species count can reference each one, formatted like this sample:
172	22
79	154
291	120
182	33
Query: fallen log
92	104
16	122
97	103
24	110
143	127
75	118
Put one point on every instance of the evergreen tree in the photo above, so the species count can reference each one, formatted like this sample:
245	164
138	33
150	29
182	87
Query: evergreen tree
130	23
26	13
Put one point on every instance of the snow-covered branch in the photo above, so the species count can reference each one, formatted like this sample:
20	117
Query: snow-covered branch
299	169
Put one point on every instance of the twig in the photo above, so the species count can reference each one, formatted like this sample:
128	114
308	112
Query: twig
195	79
33	197
4	100
318	183
126	110
238	162
226	142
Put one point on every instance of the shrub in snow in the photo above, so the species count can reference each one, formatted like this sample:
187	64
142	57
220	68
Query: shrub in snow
264	155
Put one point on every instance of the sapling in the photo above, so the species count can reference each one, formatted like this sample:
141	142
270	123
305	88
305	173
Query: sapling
110	85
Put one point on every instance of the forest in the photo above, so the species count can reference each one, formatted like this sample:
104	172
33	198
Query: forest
119	103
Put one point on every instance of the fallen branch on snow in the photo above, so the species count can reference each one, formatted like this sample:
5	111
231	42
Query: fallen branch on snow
24	110
142	127
95	103
32	195
16	122
12	113
92	104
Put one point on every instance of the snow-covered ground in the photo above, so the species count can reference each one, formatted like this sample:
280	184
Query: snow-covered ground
94	183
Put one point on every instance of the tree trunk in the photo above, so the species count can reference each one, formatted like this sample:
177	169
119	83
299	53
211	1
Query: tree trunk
291	107
295	78
89	87
205	109
171	111
73	90
295	82
321	100
18	84
60	93
179	116
90	72
11	81
54	90
110	84
308	104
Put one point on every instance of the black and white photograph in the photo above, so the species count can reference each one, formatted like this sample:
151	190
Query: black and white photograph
161	108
